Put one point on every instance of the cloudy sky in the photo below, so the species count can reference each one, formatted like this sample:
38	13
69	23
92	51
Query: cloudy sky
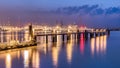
51	4
85	12
57	3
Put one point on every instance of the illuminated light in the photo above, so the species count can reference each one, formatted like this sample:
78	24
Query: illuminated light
8	61
97	44
26	59
2	39
8	38
16	36
35	60
33	31
97	30
69	52
72	38
92	45
92	30
105	42
18	54
104	30
101	44
69	27
55	56
59	40
83	28
44	49
82	44
57	27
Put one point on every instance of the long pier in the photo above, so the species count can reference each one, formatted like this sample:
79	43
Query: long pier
87	33
65	32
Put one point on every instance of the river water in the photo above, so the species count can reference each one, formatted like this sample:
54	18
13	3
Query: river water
98	52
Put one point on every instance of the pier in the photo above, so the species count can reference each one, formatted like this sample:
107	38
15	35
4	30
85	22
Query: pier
32	32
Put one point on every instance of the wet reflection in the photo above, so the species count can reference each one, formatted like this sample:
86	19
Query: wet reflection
55	56
105	43
45	49
59	42
69	49
55	51
18	54
35	59
82	42
32	57
92	46
26	59
101	44
8	61
97	44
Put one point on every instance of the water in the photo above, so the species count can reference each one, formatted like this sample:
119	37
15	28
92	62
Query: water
99	52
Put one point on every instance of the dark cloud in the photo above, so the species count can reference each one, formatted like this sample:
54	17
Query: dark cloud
92	16
113	10
91	10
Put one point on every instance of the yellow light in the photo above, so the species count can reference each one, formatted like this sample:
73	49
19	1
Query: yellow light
26	59
8	61
105	42
35	60
92	45
55	56
97	44
69	27
57	27
69	52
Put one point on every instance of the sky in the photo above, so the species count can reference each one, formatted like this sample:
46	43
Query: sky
46	11
52	4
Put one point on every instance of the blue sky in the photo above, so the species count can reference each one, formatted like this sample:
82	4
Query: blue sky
51	4
30	11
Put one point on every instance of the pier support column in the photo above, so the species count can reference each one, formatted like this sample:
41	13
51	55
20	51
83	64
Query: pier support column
75	36
46	39
96	34
86	35
91	35
101	33
68	37
54	38
78	36
108	32
63	37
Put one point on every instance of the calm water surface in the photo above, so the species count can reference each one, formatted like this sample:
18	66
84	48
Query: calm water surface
99	52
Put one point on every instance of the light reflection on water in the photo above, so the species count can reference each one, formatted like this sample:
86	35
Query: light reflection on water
8	60
36	59
69	51
26	59
92	46
55	56
31	56
82	44
101	44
